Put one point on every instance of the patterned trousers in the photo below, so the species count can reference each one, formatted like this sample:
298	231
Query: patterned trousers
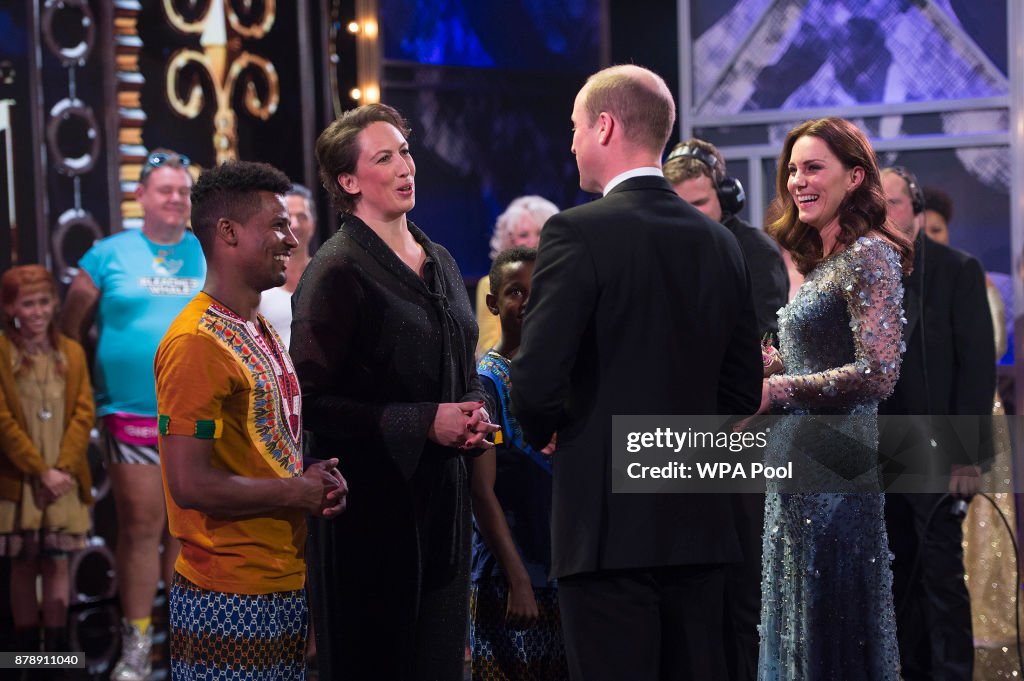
248	637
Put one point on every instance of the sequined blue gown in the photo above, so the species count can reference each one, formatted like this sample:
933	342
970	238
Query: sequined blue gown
827	609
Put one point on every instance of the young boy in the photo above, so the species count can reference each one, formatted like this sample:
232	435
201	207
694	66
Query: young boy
515	630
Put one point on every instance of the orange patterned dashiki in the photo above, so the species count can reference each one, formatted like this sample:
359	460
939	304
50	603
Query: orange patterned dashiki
218	377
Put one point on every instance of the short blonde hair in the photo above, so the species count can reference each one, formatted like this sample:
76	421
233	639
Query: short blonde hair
638	97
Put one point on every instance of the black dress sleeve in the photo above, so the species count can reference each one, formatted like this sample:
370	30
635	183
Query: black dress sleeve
328	308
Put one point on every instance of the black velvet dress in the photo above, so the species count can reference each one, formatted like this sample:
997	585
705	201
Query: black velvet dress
377	348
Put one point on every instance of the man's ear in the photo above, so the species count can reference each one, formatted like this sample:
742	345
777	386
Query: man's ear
605	127
492	303
227	230
349	183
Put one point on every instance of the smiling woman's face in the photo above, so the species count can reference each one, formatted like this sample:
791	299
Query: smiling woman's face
818	181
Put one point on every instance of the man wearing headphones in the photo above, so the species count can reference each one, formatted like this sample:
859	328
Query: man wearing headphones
948	368
696	171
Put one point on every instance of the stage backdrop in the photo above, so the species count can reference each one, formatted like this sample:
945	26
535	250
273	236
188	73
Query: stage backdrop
928	82
88	88
488	89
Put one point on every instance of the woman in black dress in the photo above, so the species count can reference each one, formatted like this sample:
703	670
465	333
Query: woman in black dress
382	338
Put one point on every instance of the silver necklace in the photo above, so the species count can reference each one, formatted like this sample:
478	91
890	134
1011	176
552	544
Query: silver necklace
45	413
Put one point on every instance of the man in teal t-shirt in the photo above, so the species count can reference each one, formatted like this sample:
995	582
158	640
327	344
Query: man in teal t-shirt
133	284
143	286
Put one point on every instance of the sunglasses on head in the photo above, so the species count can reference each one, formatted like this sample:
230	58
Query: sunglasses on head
158	159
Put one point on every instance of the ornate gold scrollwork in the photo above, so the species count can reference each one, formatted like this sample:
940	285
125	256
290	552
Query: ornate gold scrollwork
191	107
255	30
224	75
256	106
182	24
258	28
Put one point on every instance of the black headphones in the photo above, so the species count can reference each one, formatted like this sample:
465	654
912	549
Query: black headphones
916	193
730	192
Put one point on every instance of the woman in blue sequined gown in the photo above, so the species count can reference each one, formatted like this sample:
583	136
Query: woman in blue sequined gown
827	608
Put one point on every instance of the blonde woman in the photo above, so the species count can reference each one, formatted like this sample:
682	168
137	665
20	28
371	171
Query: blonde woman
519	225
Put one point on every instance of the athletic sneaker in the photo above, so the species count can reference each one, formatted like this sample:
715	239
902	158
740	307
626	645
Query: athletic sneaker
135	663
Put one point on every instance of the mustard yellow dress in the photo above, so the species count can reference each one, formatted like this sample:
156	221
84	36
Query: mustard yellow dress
25	526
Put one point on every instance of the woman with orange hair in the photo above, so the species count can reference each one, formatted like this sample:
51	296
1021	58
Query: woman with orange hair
46	414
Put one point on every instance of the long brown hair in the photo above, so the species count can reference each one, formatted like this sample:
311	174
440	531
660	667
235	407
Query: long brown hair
12	283
861	211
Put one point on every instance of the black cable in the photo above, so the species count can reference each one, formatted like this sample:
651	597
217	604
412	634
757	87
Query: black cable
916	568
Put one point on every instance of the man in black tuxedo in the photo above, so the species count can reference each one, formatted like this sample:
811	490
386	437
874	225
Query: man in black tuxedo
948	368
697	172
640	305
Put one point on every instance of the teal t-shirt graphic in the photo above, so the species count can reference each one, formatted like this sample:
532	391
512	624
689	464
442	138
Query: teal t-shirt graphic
143	286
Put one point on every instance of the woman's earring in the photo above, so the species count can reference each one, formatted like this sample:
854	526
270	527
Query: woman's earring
17	323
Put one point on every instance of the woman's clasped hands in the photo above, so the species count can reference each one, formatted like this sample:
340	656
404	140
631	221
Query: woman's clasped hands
465	425
52	485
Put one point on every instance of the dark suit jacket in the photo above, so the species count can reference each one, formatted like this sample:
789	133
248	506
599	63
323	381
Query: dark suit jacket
769	279
949	365
640	305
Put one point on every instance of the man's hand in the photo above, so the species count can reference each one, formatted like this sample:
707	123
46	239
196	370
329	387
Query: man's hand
964	481
337	496
325	492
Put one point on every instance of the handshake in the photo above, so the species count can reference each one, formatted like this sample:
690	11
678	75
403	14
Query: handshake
770	357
